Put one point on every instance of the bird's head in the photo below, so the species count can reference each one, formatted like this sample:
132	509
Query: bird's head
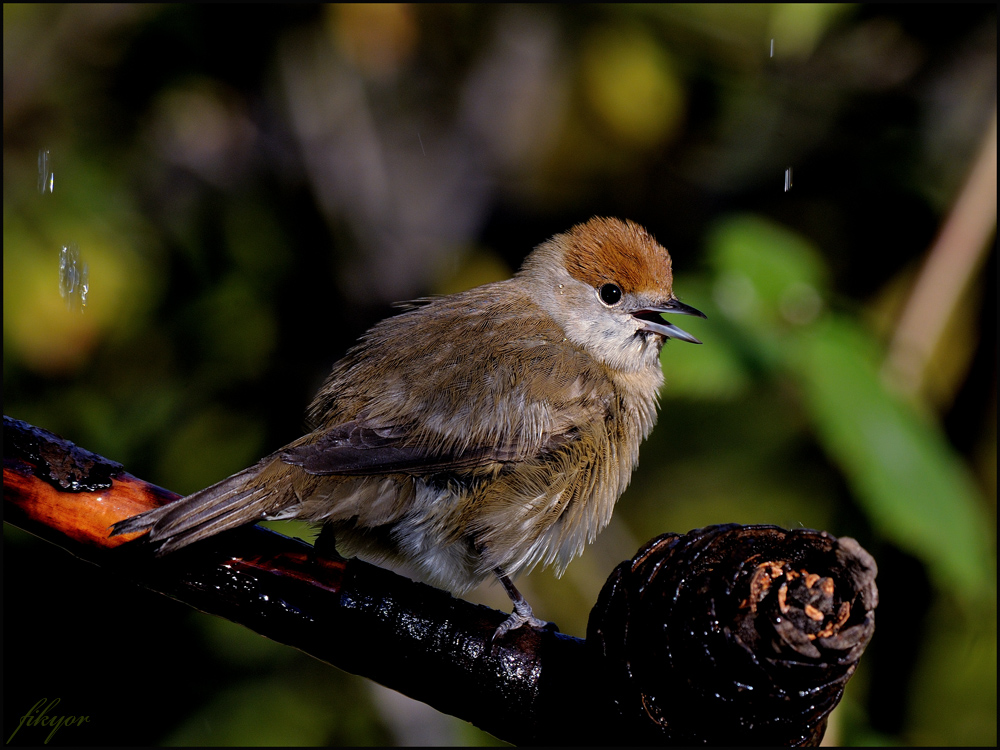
606	282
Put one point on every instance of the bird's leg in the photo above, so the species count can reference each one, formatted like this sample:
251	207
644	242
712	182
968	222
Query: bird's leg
325	545
522	614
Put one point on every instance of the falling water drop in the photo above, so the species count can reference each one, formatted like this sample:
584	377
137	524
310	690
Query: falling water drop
788	179
74	277
84	285
46	177
772	48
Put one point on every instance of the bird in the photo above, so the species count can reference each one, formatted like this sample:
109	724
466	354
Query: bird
474	435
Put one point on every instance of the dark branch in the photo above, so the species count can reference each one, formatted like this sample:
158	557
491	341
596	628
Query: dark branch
726	635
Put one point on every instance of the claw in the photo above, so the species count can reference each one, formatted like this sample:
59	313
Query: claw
522	614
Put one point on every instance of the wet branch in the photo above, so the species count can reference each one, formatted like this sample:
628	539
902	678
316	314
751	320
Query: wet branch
726	635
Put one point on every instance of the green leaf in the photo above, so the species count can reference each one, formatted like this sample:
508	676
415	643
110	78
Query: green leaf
715	370
767	275
913	485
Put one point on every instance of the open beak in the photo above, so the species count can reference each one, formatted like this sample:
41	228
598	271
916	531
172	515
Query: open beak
650	319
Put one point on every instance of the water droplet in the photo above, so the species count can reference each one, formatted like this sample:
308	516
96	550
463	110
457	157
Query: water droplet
46	177
788	179
772	48
74	277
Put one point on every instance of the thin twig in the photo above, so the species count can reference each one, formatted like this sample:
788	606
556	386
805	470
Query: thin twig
953	260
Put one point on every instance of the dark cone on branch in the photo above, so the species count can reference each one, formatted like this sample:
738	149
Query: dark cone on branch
734	634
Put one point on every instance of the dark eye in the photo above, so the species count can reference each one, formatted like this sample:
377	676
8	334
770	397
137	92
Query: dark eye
610	294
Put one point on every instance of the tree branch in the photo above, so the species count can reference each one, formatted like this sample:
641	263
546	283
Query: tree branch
727	635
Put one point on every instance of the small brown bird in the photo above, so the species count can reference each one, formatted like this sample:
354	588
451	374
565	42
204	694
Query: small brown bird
476	434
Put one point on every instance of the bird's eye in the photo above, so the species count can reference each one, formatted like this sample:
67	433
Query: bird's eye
610	294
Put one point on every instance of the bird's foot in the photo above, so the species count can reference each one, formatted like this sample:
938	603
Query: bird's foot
521	616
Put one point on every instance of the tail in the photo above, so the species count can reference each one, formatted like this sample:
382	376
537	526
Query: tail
246	497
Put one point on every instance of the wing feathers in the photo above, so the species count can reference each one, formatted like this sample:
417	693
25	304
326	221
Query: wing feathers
354	449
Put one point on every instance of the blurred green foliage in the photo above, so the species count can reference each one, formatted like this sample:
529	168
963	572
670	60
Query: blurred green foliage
914	489
251	188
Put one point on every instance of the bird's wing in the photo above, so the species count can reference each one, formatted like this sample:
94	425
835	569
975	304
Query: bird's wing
471	391
355	449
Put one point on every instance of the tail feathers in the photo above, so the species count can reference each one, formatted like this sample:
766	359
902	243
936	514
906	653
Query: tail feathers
233	502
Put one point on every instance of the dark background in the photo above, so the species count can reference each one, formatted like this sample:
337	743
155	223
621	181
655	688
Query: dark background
250	188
